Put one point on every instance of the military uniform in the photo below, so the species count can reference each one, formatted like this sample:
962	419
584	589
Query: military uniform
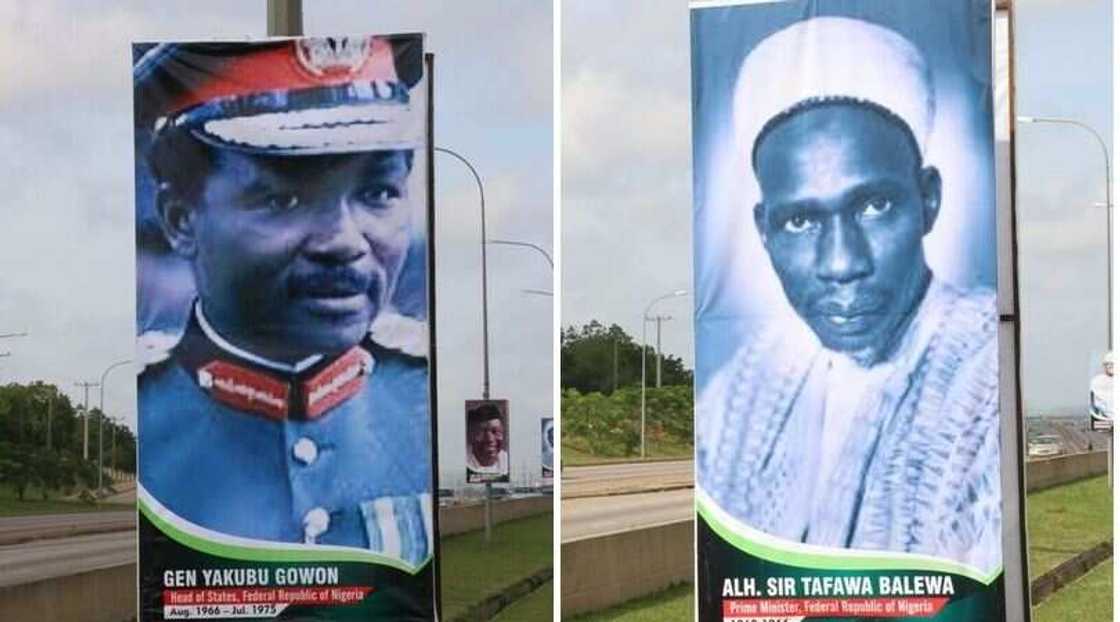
338	452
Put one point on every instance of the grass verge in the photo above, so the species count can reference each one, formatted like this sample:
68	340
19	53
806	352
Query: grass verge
536	607
1066	520
1088	599
473	570
575	454
671	605
33	503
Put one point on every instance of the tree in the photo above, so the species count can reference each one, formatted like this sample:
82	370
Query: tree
597	358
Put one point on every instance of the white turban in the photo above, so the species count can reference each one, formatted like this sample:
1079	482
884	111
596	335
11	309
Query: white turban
830	58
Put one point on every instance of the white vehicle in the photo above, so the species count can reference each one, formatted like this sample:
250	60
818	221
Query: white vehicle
1044	446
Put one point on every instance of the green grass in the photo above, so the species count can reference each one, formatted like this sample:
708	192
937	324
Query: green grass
1061	523
671	605
535	607
1089	599
1066	520
473	570
575	452
33	503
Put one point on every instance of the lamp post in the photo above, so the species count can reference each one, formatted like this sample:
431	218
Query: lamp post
540	250
1108	231
544	253
485	310
487	520
645	318
1107	193
101	421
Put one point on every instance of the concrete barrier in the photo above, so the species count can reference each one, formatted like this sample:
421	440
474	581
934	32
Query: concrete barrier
103	595
602	571
1049	472
456	519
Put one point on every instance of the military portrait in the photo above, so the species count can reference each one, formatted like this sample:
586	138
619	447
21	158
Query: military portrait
846	328
487	441
281	203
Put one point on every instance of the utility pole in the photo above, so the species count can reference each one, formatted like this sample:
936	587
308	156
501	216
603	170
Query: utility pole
659	319
614	341
86	386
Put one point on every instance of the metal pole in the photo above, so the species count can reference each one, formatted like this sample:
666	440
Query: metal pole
85	417
285	18
659	319
643	424
485	315
614	386
50	407
645	318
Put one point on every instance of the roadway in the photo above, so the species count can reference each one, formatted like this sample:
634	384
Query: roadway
36	561
621	496
17	529
626	477
592	516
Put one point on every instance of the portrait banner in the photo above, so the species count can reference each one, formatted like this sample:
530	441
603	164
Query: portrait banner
487	447
845	270
548	449
286	412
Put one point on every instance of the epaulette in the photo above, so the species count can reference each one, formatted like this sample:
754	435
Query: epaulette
401	333
154	347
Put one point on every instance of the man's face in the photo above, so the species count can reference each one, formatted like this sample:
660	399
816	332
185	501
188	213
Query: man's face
1108	368
844	208
487	438
299	253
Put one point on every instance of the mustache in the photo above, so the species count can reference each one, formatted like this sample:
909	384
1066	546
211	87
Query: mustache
847	304
333	281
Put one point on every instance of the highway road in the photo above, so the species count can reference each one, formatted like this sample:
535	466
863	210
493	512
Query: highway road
591	516
35	561
625	477
17	529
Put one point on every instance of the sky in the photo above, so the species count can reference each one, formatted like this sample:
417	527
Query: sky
67	240
633	56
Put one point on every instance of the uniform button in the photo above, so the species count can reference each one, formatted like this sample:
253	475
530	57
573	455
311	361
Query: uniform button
305	450
315	523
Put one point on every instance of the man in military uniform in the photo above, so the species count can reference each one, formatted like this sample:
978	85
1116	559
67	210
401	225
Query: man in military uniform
293	406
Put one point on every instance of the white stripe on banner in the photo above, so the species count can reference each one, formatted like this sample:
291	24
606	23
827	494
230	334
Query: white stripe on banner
387	523
426	514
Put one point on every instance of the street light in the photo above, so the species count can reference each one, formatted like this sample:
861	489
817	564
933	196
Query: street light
1107	193
485	310
101	422
487	514
540	250
645	318
544	253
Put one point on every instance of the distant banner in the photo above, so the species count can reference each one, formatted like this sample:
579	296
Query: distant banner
847	451
285	425
548	448
487	441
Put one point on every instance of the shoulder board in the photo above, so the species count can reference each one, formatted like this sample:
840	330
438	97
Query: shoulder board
406	335
154	347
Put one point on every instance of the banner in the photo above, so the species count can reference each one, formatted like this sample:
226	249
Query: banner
285	408
848	432
487	441
548	449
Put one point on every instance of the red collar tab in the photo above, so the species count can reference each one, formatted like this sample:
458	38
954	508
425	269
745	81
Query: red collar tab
264	394
337	383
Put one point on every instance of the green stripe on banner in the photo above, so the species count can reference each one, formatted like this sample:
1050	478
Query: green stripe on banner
264	554
838	561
